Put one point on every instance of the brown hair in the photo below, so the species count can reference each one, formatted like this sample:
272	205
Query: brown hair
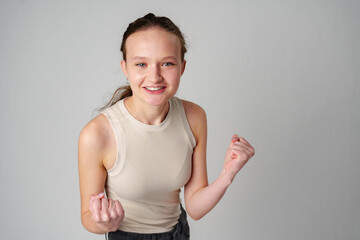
143	23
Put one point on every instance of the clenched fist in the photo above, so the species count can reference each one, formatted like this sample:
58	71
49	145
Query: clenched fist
237	155
106	212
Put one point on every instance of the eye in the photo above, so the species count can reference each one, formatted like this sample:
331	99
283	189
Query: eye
140	64
168	64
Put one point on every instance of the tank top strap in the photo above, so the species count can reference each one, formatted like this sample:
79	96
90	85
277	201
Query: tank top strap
178	105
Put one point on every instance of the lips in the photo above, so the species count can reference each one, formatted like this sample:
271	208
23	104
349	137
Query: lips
154	90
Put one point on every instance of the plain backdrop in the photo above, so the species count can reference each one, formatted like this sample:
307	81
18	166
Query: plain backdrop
284	74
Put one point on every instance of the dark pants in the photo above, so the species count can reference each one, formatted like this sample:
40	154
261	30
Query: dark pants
181	231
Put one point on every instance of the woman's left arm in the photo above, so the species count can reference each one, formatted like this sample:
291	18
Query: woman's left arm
200	197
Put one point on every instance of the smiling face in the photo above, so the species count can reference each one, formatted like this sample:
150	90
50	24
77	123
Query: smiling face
153	65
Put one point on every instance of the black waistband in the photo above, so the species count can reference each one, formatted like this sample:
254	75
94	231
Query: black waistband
179	232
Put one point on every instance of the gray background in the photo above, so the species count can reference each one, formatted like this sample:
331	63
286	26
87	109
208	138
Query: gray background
283	74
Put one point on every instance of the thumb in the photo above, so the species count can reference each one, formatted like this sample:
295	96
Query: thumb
235	138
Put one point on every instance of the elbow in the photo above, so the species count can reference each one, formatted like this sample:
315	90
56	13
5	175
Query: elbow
88	224
194	211
84	223
195	216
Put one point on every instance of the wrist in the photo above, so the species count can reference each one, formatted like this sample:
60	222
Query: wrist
225	179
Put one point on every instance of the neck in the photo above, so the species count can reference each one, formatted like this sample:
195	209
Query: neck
148	114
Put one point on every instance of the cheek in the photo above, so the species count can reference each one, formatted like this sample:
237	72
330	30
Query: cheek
136	74
173	75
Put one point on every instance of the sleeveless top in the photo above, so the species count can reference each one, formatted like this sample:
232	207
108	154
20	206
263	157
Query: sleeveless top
153	163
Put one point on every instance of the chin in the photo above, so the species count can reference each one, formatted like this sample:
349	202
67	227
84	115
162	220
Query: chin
157	100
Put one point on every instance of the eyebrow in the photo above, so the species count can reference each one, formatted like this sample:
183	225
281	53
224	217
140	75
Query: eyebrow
143	58
138	58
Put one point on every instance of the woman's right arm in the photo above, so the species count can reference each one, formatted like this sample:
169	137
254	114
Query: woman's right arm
96	143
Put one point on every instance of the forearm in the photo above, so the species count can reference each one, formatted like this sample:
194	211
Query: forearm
205	199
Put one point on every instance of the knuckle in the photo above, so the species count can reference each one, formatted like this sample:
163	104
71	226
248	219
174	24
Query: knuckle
121	214
95	218
105	218
112	213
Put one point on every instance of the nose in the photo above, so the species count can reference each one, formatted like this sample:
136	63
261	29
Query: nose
154	74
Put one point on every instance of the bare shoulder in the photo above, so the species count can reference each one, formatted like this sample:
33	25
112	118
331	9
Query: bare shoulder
96	131
192	108
97	138
196	117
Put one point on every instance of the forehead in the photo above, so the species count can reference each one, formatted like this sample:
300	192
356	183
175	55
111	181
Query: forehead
153	42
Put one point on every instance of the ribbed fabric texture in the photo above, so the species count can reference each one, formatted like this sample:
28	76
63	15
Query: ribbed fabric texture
153	163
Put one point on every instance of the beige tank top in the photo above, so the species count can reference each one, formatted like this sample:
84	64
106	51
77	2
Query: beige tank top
153	163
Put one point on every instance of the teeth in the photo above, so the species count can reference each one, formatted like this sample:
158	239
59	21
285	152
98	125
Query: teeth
153	88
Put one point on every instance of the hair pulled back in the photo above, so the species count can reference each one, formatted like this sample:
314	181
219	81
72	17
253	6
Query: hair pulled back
140	24
148	21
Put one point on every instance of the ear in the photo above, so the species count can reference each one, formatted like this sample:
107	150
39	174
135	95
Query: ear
183	67
123	67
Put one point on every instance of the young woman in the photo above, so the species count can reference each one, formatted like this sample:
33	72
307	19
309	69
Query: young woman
147	144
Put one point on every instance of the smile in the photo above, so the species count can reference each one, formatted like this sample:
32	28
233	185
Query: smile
154	88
